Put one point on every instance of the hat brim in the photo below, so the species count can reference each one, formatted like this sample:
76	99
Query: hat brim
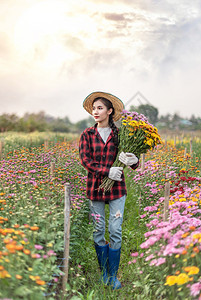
116	102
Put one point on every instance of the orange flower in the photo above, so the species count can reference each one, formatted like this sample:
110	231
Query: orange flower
196	250
18	276
19	247
11	247
185	234
16	225
4	274
40	282
184	252
34	228
26	251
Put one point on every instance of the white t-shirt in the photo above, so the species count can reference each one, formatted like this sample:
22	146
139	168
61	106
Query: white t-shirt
104	132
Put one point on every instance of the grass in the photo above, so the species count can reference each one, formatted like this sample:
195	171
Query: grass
85	280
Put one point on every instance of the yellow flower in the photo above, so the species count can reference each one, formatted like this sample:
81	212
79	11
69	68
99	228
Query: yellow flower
182	279
149	142
191	270
197	236
171	280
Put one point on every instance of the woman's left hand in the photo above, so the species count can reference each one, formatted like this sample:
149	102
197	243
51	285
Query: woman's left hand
128	159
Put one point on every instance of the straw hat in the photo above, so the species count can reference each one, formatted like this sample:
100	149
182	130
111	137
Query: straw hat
116	102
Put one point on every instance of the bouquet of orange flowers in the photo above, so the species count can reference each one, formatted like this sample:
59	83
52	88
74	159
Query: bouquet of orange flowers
136	135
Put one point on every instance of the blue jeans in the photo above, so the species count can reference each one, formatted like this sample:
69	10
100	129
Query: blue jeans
116	208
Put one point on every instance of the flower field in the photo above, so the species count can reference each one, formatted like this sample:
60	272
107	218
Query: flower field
169	257
31	219
160	257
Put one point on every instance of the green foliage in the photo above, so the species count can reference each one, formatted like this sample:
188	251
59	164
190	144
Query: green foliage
148	111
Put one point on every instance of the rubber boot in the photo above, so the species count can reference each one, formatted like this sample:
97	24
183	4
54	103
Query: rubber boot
113	260
102	255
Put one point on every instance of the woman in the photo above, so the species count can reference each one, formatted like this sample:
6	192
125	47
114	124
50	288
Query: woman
98	148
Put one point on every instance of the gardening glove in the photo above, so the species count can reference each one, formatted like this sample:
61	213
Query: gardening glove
115	173
128	159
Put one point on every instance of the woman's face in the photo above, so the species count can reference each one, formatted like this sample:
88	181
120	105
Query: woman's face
101	113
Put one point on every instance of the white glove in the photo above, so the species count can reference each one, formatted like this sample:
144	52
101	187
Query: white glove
115	173
128	159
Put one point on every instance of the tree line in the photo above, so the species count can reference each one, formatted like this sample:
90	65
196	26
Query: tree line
41	122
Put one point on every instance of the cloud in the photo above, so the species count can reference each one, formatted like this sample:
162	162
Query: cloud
118	46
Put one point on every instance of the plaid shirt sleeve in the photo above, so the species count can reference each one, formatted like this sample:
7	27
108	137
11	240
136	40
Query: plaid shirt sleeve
134	166
86	158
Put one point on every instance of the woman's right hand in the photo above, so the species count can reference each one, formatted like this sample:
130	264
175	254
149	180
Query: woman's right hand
115	173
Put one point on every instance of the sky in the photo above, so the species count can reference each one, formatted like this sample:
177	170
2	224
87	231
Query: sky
53	53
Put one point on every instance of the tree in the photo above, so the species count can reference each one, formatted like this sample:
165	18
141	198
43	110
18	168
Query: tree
148	111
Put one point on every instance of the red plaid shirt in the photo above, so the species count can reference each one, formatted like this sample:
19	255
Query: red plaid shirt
97	157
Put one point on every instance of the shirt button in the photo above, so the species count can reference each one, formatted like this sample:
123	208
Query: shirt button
103	156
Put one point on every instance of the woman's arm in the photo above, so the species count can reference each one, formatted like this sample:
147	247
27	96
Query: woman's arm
87	161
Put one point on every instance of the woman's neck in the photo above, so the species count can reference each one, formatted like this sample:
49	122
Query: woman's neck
103	124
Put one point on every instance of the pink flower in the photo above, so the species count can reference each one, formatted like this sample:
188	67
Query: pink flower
51	252
195	289
38	247
160	261
135	254
153	262
149	257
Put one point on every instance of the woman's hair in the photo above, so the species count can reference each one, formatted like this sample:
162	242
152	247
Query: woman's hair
109	105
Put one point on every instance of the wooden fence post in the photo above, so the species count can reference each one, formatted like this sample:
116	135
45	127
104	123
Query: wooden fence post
166	202
191	147
45	144
142	162
52	168
139	210
185	151
66	234
1	149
